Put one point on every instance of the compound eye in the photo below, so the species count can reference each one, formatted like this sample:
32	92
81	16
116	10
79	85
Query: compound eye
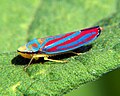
33	45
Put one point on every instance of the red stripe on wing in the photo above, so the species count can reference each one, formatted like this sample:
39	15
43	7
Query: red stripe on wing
78	43
77	37
86	40
57	39
82	33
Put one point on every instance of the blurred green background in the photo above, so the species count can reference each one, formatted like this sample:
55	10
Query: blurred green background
108	85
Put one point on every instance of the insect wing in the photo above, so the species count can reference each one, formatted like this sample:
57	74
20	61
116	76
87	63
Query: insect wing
70	41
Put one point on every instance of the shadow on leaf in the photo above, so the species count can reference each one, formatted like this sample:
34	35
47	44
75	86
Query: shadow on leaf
19	60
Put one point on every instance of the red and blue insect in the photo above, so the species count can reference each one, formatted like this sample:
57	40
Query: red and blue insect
59	44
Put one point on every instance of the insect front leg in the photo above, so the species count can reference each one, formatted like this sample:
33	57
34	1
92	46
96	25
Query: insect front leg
30	62
36	57
45	58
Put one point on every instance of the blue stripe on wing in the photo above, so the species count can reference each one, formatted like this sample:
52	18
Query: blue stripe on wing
47	39
72	44
76	42
63	40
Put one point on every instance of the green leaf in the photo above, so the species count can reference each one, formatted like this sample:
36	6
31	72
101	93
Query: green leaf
22	21
14	22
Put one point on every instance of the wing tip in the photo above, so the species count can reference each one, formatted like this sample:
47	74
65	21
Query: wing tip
101	28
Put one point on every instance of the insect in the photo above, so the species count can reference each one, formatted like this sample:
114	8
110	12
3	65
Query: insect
59	44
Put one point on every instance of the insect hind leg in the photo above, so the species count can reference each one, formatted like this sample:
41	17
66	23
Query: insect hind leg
62	61
45	58
75	53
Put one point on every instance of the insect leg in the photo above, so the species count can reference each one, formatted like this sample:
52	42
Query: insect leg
46	58
74	53
29	62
